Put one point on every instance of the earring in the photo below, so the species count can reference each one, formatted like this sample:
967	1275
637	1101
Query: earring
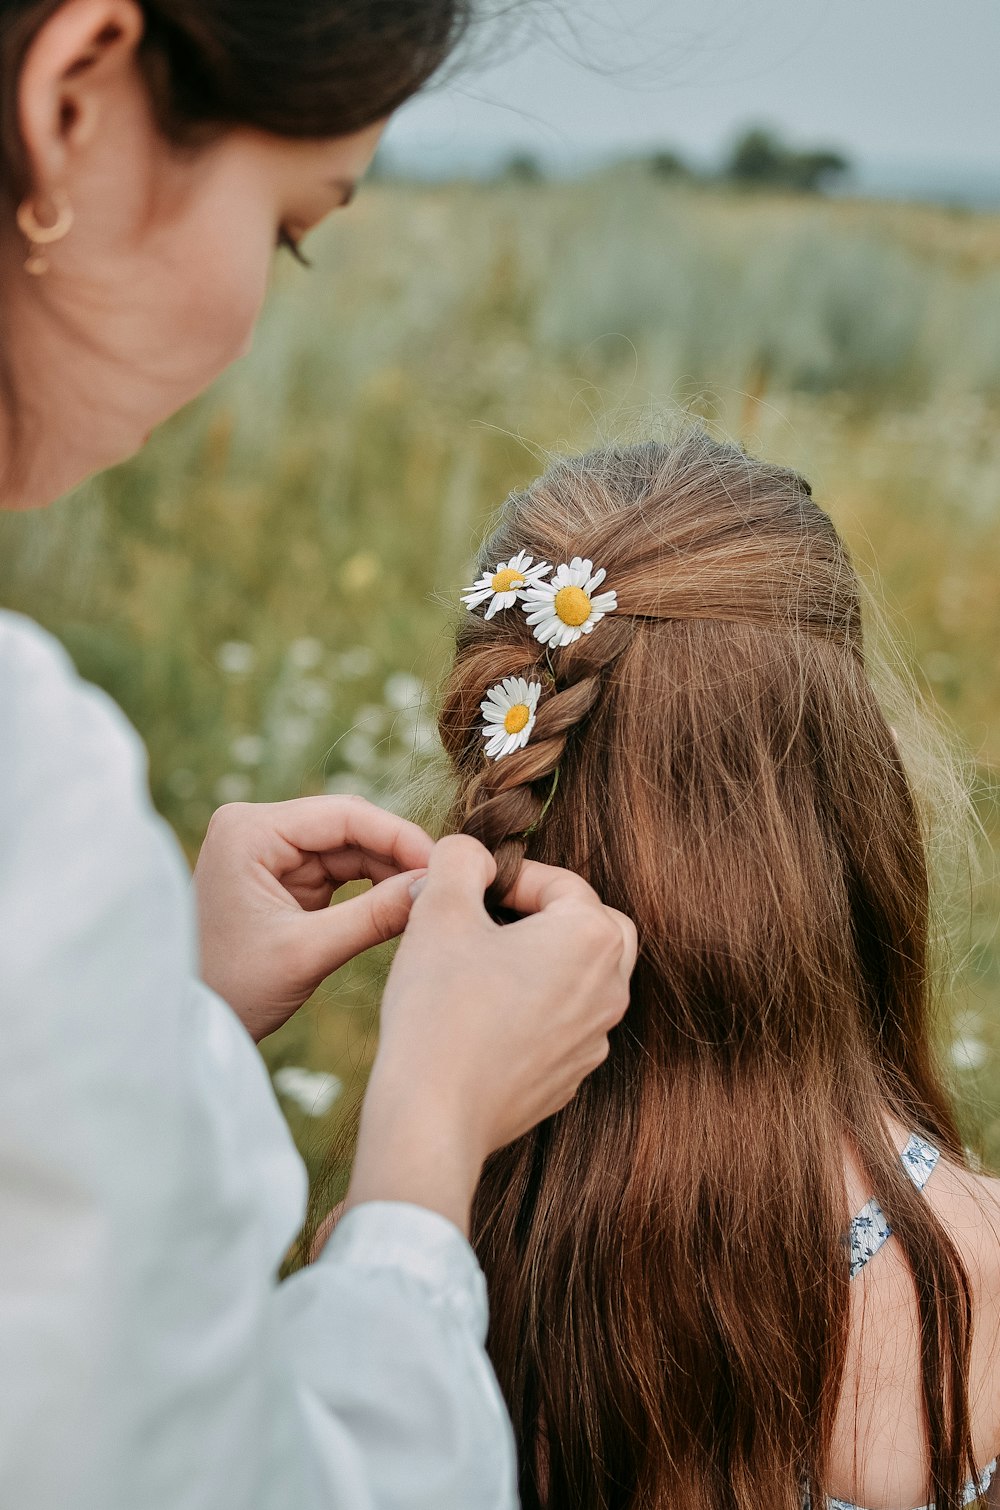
39	236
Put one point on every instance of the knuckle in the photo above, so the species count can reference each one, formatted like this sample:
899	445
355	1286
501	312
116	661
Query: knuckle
580	893
230	816
600	1052
352	800
606	937
459	844
615	1008
385	918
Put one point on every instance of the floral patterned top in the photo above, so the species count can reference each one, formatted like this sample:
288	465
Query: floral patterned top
870	1230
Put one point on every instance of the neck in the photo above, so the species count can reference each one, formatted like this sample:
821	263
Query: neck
46	445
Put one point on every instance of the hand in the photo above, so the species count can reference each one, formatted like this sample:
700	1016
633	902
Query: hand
486	1030
264	881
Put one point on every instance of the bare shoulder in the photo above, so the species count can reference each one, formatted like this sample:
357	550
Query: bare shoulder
968	1204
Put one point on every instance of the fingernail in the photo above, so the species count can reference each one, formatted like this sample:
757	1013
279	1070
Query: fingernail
417	887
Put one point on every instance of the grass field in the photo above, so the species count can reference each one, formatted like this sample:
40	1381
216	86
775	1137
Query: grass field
268	589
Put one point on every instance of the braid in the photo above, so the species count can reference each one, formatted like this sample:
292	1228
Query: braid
647	512
504	800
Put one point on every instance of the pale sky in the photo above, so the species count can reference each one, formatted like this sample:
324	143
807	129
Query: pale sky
891	81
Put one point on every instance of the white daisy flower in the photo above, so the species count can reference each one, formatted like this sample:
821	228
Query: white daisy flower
562	609
507	584
509	709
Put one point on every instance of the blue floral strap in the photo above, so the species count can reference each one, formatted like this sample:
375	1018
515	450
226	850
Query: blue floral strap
870	1228
973	1492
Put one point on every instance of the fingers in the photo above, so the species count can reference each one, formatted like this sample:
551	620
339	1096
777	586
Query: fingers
327	939
540	886
630	940
458	873
322	825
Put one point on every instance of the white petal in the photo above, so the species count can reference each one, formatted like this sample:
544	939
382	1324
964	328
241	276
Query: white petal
473	599
605	602
596	580
494	607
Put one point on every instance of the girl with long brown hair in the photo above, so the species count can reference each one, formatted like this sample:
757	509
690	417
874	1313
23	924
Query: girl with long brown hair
749	1266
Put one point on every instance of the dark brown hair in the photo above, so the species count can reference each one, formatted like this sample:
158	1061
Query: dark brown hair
666	1257
295	68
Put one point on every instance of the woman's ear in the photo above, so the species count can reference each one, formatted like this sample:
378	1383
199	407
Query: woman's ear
82	54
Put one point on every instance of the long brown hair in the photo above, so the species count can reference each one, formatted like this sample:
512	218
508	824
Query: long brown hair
666	1257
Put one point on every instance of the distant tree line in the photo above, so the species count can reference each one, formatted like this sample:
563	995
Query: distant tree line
761	159
758	159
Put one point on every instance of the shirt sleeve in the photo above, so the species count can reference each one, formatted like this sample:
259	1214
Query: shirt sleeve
149	1189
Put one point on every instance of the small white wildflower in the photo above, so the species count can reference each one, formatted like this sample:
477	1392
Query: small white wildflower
564	608
247	749
402	691
509	709
969	1053
236	658
312	1092
305	654
507	585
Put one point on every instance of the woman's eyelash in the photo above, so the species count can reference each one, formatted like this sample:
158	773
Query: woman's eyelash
288	242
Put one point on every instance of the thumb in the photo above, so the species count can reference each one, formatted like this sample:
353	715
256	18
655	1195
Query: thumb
330	937
458	873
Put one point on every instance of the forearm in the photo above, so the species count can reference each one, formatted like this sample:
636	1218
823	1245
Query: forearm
414	1148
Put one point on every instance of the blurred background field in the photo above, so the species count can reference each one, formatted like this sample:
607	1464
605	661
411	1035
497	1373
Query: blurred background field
268	590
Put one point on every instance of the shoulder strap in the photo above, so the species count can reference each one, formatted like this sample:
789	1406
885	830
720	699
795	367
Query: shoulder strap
869	1229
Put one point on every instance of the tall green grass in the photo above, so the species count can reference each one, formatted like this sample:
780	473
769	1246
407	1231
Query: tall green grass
268	589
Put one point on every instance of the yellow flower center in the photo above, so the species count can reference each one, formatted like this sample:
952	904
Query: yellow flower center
508	579
573	606
517	718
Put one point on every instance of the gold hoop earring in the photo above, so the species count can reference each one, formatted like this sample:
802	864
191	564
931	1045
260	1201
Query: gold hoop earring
38	235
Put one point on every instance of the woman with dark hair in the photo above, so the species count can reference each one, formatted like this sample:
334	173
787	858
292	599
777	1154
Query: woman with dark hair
151	155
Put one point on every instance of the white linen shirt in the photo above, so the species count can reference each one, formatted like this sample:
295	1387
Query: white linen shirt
149	1189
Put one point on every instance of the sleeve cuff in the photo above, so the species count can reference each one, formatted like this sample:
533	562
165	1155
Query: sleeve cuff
418	1244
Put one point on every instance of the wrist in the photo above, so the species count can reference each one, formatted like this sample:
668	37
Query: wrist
415	1147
